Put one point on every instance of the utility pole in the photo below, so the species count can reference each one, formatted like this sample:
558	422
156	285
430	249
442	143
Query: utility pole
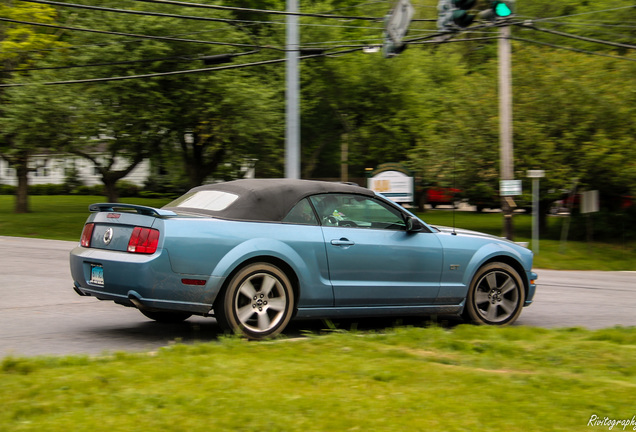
453	16
505	125
292	116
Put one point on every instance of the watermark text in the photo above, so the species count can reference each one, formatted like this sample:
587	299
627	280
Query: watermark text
610	423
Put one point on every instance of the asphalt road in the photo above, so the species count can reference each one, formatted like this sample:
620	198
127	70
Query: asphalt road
41	314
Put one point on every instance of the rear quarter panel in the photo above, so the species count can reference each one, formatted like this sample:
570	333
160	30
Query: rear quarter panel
217	247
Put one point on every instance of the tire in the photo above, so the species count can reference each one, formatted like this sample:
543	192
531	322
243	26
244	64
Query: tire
258	302
496	295
166	316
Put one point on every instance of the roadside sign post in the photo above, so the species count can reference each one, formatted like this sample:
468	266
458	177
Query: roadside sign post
589	205
507	190
535	175
393	181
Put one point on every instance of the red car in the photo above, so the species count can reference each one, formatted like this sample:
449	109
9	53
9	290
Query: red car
441	196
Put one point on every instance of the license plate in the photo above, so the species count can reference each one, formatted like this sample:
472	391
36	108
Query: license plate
97	274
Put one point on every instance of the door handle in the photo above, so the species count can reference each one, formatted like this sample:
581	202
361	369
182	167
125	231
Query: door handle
342	242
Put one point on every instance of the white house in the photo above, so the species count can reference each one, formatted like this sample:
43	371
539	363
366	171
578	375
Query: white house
53	169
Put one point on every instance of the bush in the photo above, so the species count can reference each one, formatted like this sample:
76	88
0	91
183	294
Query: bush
88	190
127	189
605	225
151	194
48	189
163	186
124	189
7	189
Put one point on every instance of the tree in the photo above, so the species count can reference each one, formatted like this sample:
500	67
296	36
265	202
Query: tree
574	120
212	119
22	131
361	101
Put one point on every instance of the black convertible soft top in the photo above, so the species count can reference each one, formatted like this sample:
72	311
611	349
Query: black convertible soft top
265	199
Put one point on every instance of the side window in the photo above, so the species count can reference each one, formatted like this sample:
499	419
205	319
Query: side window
357	211
302	213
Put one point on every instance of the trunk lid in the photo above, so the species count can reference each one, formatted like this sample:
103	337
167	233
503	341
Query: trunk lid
113	224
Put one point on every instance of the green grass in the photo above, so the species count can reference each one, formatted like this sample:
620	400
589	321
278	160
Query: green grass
55	217
62	218
553	254
467	378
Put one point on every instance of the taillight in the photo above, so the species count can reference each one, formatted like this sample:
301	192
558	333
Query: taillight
143	240
87	233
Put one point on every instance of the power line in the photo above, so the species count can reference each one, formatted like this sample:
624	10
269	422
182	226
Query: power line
149	13
95	64
171	38
484	38
190	17
275	61
598	29
583	38
182	58
572	49
180	72
327	44
167	38
223	20
356	47
584	23
415	41
265	11
201	32
128	11
587	13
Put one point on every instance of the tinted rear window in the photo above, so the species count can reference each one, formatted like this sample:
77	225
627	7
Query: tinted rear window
205	200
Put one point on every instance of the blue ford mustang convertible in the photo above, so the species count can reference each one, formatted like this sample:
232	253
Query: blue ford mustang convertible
257	253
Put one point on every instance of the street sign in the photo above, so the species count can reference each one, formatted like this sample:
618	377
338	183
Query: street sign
589	202
536	173
398	23
510	187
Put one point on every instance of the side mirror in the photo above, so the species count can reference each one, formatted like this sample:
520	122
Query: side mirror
413	225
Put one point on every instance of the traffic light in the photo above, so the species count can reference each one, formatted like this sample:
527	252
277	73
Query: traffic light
453	15
503	9
498	9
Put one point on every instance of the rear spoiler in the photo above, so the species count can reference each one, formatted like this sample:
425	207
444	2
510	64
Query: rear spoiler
143	210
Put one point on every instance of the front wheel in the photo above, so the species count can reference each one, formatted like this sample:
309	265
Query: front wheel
258	302
496	295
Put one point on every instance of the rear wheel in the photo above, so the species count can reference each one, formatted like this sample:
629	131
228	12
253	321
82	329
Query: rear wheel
496	295
166	316
258	302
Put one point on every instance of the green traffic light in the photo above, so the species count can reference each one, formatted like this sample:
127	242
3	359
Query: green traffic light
502	9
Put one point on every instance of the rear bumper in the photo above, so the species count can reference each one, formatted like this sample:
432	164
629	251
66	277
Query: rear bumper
134	299
139	280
